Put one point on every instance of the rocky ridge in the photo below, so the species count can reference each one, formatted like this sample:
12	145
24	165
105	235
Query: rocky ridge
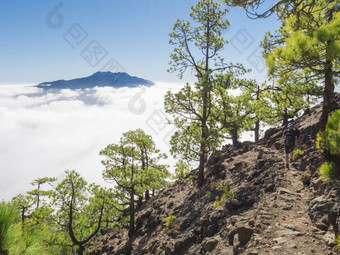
274	210
99	79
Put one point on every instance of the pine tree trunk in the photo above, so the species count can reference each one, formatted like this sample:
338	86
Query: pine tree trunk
329	86
23	219
139	201
285	117
147	195
132	212
200	177
234	136
38	196
257	131
80	250
205	114
327	95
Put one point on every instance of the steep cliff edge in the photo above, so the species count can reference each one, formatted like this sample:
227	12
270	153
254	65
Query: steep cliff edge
274	210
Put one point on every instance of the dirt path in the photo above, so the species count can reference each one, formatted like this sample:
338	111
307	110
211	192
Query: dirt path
282	221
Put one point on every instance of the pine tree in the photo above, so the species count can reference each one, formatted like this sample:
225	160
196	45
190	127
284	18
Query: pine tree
24	204
80	208
38	192
306	49
198	49
289	100
132	165
149	157
231	111
257	103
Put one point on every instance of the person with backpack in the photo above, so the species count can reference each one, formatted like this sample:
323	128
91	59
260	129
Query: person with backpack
290	137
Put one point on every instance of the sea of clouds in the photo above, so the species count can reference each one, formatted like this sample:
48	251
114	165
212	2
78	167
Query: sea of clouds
44	133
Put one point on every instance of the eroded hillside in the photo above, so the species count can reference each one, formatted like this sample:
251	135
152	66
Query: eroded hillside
274	210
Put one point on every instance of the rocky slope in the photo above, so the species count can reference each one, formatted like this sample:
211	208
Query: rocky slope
274	210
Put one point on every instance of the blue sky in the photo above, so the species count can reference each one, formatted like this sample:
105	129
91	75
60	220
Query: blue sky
45	40
39	45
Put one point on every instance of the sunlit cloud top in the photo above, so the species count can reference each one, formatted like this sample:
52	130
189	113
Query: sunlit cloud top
46	132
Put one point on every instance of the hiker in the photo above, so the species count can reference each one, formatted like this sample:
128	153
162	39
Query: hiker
290	137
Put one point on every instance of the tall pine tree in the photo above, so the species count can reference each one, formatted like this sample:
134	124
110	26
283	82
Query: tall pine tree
197	49
306	49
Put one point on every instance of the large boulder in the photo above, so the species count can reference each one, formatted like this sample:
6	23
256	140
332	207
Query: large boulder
244	234
210	243
323	210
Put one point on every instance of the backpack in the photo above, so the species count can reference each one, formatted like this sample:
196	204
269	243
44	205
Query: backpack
290	137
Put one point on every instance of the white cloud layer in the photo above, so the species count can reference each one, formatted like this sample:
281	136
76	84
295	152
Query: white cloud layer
43	134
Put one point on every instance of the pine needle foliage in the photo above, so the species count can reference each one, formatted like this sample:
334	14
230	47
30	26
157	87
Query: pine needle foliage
7	216
328	142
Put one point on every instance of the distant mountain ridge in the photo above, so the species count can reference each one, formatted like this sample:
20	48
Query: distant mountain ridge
98	79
